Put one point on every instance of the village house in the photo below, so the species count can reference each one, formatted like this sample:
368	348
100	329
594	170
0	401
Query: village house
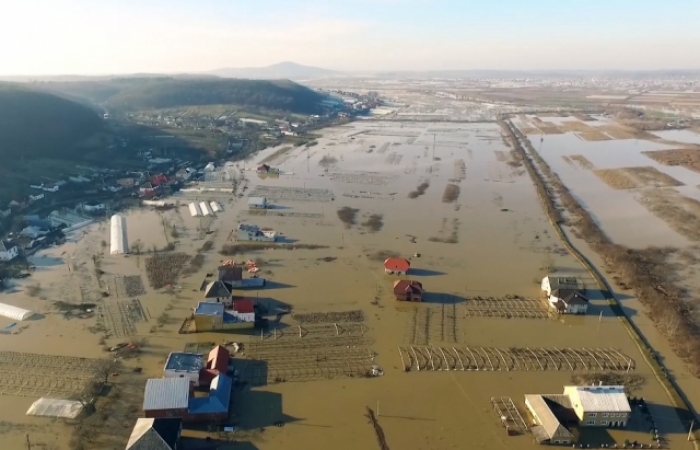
155	434
8	251
231	275
396	266
210	316
585	406
408	291
550	283
217	364
175	397
257	203
254	233
146	190
218	292
568	301
194	367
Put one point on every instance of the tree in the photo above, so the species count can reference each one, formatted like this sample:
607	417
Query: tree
137	247
105	368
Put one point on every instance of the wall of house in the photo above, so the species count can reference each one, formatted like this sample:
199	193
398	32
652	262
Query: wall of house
602	419
193	376
199	418
202	322
225	326
577	309
157	413
395	272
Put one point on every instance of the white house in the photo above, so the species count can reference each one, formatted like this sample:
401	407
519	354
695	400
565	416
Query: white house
568	301
8	251
184	365
254	233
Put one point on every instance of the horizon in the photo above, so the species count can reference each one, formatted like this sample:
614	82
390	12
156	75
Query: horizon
183	37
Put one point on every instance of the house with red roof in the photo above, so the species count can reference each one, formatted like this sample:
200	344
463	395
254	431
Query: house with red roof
396	266
217	363
408	291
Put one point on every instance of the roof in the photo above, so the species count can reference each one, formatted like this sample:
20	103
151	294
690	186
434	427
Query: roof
52	407
155	434
184	362
397	264
216	289
550	427
6	246
257	200
218	399
166	393
230	273
570	296
599	398
243	306
405	285
209	309
563	282
218	359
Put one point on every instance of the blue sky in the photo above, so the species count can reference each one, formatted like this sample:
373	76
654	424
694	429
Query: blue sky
125	36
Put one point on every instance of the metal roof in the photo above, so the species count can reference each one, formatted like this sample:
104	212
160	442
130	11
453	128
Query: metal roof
257	201
218	400
155	434
550	427
209	309
166	393
185	362
599	398
216	289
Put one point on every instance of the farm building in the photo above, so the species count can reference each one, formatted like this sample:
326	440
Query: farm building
214	317
599	406
257	202
396	266
155	434
118	243
218	292
58	408
549	414
408	291
568	301
217	363
15	313
184	365
166	397
254	233
551	283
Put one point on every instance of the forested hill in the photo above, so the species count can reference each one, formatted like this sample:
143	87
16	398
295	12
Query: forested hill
133	94
41	124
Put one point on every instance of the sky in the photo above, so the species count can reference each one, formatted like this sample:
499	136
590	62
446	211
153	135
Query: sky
47	37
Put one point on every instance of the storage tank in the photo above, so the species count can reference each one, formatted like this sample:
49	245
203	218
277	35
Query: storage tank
194	209
118	242
215	207
206	210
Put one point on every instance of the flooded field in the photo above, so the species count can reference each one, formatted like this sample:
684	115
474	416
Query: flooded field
365	191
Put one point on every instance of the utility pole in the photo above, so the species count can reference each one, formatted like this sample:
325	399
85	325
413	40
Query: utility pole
690	432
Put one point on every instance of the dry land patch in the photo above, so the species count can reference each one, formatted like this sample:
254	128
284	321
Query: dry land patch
679	212
688	158
636	177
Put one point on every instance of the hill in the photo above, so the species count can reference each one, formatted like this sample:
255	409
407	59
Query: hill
35	124
283	70
133	94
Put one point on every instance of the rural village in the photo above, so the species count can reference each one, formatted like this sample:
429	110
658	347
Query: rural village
408	282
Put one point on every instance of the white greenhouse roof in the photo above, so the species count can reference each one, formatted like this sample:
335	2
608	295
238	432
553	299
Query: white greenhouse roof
118	241
14	312
53	407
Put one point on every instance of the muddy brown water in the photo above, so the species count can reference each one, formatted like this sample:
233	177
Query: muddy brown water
504	245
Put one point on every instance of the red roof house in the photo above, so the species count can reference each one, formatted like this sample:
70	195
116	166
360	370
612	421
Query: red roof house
243	306
159	179
398	266
217	363
408	291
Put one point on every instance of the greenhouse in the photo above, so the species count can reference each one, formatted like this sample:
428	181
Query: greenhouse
119	244
14	312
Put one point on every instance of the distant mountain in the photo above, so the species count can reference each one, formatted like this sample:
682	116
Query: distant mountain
39	124
284	70
133	94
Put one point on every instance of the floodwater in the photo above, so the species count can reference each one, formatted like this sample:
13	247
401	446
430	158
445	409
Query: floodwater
504	245
614	209
685	136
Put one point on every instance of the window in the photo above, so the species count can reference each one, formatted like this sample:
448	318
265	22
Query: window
591	414
590	422
604	422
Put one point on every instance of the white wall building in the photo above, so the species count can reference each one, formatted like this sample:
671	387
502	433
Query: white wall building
8	251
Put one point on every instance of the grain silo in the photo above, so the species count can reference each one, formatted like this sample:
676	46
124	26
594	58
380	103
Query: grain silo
119	244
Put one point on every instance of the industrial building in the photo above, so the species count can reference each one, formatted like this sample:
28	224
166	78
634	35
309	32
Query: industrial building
257	203
118	241
214	317
254	233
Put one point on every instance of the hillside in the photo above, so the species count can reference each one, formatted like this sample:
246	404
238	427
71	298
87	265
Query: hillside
132	94
283	70
40	124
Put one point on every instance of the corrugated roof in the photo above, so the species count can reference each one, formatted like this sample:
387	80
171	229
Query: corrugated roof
243	306
166	393
550	428
218	400
599	398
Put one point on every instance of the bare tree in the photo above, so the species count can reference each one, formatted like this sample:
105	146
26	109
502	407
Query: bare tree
105	368
137	247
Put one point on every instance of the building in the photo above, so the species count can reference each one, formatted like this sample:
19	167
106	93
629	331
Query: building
244	309
601	406
93	206
118	240
257	203
214	407
254	233
33	232
8	251
551	283
218	292
396	266
214	317
230	274
408	291
549	414
263	169
146	189
166	397
155	434
184	365
217	364
568	301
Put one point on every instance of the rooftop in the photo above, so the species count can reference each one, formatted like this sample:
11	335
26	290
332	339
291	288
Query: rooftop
599	398
209	309
257	200
155	434
216	289
218	399
185	362
551	427
166	393
243	306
